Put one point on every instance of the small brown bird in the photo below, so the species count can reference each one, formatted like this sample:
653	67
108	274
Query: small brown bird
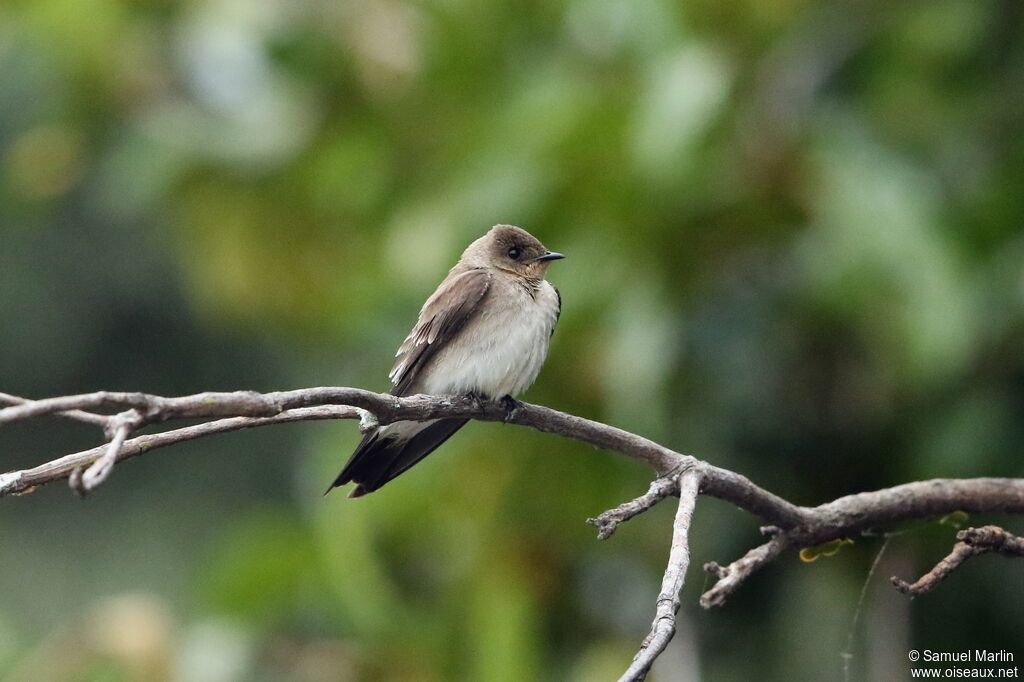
483	332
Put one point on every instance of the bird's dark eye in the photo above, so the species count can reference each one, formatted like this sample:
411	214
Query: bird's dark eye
514	253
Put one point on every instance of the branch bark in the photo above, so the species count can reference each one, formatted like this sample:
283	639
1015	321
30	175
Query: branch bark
121	414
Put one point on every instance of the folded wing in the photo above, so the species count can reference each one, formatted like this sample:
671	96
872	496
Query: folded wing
395	448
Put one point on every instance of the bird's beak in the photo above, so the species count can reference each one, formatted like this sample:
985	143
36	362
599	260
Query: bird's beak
550	255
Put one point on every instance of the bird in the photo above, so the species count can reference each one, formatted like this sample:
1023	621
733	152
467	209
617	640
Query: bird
484	332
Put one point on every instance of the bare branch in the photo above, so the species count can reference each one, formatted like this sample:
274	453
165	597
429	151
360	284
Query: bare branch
739	490
19	482
790	526
201	406
972	542
804	526
735	574
664	626
854	514
608	521
77	415
385	409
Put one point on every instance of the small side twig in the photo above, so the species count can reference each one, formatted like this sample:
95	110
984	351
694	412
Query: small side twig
120	426
735	574
608	521
971	542
664	626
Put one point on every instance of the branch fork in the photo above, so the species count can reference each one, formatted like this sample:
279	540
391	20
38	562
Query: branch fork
117	429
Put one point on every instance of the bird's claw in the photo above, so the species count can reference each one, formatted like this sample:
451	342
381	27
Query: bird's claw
477	401
511	405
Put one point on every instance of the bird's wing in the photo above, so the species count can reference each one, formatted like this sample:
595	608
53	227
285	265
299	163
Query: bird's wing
443	316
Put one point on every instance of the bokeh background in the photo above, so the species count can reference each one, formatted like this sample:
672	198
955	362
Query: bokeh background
796	248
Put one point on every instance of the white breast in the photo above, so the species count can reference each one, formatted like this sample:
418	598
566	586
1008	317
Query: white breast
502	349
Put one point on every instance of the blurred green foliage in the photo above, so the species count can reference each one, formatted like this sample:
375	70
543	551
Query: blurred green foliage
795	249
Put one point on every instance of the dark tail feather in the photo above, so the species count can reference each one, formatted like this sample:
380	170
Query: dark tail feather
378	460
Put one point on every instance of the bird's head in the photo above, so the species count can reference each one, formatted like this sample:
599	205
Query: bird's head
512	249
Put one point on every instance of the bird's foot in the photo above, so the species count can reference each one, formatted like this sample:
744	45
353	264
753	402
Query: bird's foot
511	405
477	400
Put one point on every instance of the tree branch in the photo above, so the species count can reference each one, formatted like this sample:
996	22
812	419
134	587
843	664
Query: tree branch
608	521
972	542
731	577
853	515
27	480
386	408
77	415
120	415
664	626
